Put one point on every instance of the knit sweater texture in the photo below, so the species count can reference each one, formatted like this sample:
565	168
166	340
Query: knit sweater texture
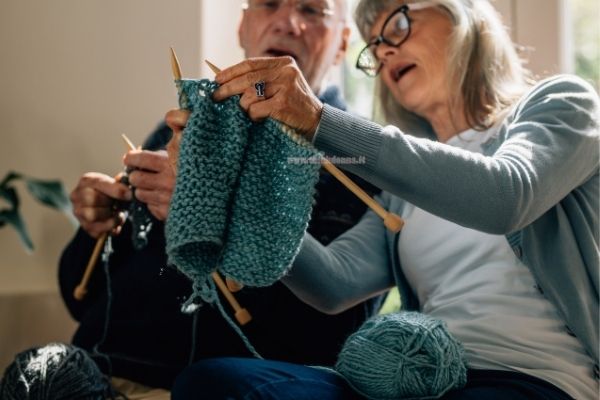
239	205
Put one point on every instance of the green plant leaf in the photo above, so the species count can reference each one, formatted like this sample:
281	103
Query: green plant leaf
52	194
9	177
10	195
12	217
47	192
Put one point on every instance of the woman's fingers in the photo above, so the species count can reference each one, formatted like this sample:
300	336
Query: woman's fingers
287	97
249	97
250	69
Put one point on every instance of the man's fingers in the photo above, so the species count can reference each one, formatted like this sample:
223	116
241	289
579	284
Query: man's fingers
93	214
106	185
173	151
110	225
90	197
177	119
154	197
147	160
160	212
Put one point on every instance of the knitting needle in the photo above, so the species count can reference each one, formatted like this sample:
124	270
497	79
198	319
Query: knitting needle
81	289
241	314
391	221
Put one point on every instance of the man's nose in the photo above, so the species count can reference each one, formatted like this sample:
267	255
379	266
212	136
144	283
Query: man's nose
288	20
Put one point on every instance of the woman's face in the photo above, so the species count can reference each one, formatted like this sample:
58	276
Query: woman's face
415	72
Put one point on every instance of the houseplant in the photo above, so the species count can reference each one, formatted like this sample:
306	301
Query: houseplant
50	193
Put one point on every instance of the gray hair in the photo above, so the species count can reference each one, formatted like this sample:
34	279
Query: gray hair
483	64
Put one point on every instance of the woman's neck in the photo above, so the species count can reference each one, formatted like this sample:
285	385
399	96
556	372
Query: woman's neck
447	123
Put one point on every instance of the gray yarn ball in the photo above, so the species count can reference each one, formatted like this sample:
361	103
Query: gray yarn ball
54	372
401	356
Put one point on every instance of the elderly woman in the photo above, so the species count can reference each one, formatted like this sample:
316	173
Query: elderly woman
497	179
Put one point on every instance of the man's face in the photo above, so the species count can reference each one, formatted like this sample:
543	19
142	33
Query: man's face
313	32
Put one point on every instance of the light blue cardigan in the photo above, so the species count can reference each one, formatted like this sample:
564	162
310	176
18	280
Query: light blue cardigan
537	183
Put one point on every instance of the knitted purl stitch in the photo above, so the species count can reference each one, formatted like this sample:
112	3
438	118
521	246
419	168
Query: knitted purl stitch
239	205
406	355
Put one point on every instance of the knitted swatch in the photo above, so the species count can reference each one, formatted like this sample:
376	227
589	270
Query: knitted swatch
405	355
239	204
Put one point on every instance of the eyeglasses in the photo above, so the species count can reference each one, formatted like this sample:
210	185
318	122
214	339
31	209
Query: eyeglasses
394	32
311	11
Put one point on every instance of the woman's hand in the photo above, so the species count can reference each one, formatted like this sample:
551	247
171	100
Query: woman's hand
287	96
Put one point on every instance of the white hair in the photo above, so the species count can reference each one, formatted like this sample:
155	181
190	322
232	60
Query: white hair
483	64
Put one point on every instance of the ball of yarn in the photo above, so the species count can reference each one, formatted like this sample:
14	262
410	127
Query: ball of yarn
402	355
54	372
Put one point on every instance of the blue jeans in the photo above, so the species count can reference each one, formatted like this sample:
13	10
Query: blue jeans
253	379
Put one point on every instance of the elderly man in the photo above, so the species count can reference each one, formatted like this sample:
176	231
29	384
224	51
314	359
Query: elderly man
148	339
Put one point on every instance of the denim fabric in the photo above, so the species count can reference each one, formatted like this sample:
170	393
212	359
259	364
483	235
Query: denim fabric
253	379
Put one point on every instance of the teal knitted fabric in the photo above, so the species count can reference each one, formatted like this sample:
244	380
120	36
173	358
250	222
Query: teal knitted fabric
405	355
239	205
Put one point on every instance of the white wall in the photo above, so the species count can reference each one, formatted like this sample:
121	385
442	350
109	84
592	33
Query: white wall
218	34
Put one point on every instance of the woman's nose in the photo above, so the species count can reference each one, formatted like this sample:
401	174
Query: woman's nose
384	52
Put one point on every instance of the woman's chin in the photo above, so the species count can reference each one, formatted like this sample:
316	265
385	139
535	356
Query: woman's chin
407	101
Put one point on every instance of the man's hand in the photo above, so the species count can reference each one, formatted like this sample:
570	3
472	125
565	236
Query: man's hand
93	199
153	178
176	120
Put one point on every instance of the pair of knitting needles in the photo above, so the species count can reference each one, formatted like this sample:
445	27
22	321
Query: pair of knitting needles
241	314
391	221
81	289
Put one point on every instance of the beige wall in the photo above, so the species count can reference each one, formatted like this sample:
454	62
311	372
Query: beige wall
74	75
539	26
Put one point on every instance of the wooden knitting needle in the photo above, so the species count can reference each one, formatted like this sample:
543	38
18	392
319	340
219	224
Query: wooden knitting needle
241	314
391	221
81	289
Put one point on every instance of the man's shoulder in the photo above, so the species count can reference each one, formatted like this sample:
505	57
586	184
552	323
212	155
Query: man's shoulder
332	95
158	139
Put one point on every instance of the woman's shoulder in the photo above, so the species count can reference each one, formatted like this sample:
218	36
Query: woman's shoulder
563	86
561	96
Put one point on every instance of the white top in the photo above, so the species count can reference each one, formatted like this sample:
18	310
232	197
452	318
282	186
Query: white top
474	282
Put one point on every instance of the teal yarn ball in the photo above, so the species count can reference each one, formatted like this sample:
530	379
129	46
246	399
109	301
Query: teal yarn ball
56	371
405	355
